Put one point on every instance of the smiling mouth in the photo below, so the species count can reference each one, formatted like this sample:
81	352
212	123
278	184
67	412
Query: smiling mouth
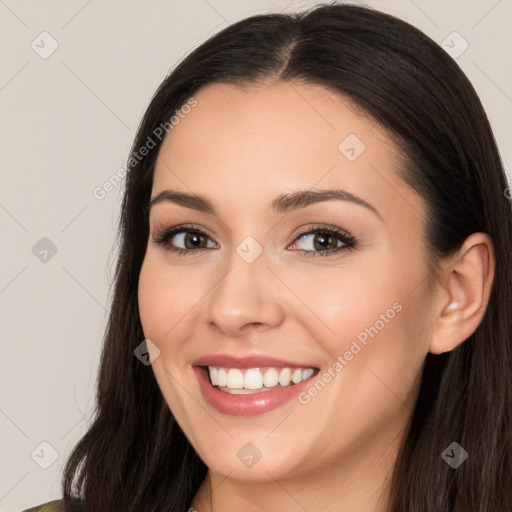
244	381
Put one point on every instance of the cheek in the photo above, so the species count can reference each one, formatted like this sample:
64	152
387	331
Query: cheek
163	308
376	317
165	299
151	296
344	303
376	355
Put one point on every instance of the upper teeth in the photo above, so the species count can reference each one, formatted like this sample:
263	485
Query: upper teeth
256	378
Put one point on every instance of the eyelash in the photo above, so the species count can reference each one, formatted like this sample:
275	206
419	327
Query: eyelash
163	237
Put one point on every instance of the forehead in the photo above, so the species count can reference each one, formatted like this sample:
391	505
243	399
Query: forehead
262	140
280	118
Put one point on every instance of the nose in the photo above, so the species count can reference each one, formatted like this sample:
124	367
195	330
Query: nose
245	297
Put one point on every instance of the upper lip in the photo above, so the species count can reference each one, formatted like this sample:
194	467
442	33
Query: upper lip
249	361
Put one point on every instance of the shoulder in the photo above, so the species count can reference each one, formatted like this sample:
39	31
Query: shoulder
51	506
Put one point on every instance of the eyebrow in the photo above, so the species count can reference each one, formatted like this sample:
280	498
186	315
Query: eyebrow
282	204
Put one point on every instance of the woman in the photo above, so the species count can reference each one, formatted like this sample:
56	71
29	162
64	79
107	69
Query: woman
311	306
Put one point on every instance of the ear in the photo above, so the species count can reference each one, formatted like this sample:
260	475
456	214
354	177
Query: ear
462	294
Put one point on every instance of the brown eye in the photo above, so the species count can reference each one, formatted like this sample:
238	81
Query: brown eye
325	241
183	239
192	239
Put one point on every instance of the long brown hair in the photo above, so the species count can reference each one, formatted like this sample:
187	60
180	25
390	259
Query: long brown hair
134	456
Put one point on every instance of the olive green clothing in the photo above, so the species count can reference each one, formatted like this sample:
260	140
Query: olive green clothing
51	506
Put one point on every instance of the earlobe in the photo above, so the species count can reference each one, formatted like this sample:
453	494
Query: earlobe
467	282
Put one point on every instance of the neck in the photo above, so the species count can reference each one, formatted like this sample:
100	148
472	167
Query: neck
355	482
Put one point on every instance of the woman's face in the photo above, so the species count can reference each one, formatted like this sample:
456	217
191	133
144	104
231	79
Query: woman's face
257	284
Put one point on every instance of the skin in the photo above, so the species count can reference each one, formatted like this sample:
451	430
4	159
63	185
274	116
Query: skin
241	148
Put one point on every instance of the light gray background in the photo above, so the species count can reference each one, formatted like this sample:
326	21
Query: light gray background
67	123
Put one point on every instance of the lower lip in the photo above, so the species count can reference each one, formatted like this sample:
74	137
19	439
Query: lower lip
247	405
